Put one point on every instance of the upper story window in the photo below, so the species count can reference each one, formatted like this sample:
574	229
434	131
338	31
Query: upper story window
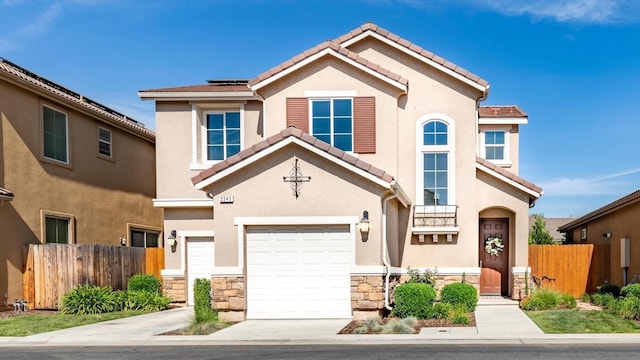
55	135
223	134
332	122
104	142
434	161
495	146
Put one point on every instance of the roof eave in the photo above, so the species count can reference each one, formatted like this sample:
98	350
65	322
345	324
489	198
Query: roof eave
197	95
602	211
503	121
533	194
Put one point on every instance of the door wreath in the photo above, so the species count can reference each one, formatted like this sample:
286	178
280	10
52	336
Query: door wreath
493	245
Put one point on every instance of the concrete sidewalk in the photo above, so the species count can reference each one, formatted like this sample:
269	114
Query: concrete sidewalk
497	320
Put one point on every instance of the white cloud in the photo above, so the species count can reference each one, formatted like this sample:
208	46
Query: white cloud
39	24
605	185
576	11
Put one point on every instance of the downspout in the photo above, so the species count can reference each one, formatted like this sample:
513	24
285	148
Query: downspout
385	254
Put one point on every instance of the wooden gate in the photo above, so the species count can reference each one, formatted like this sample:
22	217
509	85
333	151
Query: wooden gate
52	270
576	269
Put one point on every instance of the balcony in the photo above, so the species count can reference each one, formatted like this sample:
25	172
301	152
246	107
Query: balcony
435	220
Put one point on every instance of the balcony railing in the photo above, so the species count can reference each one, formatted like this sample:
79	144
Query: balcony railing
432	216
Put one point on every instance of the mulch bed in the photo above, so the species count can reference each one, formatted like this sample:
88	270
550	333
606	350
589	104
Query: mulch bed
421	323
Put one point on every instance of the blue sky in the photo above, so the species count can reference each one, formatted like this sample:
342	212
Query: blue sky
572	65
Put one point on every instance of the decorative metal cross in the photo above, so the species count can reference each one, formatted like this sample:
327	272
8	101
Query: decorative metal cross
296	179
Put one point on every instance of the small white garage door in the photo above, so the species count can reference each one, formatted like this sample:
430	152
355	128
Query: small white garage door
199	262
298	272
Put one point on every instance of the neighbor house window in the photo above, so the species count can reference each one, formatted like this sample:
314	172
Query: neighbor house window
434	161
223	135
332	122
144	238
56	230
494	142
55	134
104	142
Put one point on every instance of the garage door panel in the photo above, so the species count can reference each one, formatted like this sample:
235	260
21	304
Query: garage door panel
298	273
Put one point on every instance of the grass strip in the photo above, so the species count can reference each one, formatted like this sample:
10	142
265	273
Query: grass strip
581	322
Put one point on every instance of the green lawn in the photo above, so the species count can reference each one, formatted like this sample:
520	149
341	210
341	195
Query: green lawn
25	325
581	322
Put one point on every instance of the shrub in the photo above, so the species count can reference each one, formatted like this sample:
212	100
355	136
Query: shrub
631	290
585	298
414	299
202	301
628	308
371	325
545	299
400	326
146	301
607	288
145	282
460	294
603	299
427	277
442	310
459	315
85	300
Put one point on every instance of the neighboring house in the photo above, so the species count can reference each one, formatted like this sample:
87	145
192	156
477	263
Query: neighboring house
78	172
616	226
552	224
307	191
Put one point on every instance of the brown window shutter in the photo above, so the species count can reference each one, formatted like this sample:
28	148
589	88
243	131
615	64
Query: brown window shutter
364	125
298	113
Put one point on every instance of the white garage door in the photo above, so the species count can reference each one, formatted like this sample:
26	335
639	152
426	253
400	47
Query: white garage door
298	273
199	262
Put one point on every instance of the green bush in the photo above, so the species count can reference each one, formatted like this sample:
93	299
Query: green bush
145	282
414	299
460	294
631	290
585	298
607	288
85	300
442	310
628	308
146	301
603	299
202	301
545	299
459	315
427	277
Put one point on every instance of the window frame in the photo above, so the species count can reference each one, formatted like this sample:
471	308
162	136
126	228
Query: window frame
332	118
145	229
200	131
70	218
67	160
506	160
109	143
448	149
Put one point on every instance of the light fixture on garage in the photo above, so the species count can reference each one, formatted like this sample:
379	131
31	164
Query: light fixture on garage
364	225
172	240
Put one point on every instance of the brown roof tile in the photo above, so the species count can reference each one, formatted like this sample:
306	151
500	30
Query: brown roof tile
497	111
202	88
508	174
282	135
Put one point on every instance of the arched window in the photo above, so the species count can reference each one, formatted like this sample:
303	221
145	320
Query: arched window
435	161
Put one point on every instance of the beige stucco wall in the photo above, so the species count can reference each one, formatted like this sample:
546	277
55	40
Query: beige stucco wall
621	223
103	196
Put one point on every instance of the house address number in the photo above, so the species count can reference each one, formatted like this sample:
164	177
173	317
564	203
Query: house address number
226	199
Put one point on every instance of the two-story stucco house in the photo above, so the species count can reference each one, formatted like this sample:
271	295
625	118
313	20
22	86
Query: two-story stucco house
307	191
71	171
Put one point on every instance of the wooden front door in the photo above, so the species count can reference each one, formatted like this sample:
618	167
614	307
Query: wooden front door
494	273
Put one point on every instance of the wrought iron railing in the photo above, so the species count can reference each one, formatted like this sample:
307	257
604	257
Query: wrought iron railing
435	215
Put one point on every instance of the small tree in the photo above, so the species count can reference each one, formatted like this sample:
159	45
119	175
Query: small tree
538	234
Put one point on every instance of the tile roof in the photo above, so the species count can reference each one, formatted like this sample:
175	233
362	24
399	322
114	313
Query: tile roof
501	111
323	46
6	194
508	174
202	88
282	135
60	91
410	46
612	206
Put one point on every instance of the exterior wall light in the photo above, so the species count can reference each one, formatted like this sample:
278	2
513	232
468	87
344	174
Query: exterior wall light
172	240
364	226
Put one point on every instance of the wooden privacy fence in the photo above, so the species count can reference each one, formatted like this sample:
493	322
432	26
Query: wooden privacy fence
576	268
52	270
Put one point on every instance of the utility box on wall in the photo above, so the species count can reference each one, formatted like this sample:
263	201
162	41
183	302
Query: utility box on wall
625	253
